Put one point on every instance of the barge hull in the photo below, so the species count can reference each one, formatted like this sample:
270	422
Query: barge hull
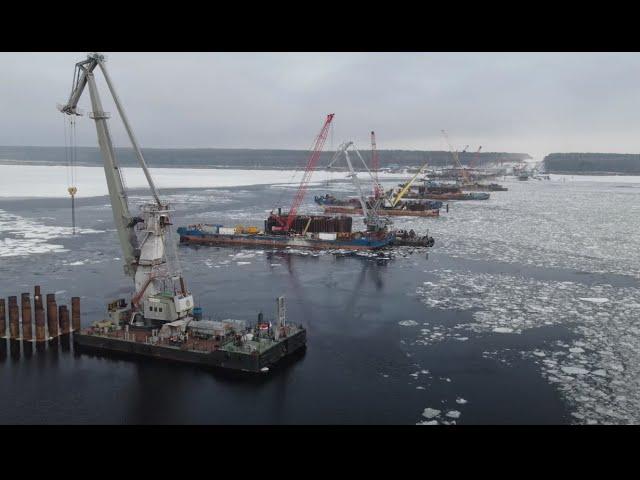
448	196
249	241
218	358
390	212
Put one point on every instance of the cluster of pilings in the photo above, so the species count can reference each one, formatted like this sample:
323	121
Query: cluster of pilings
22	319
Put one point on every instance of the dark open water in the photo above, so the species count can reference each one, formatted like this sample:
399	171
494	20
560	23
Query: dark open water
361	366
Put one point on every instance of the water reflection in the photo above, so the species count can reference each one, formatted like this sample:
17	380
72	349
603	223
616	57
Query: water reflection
25	350
14	350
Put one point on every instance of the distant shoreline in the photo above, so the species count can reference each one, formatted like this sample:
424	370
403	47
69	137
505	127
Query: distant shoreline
245	158
592	163
592	174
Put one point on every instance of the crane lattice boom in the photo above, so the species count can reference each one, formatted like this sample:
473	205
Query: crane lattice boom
475	158
306	177
456	159
378	191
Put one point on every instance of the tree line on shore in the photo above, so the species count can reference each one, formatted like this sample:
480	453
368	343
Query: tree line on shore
624	163
245	158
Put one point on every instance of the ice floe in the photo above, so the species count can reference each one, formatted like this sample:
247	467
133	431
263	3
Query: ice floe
408	323
20	236
430	412
598	373
582	226
594	300
503	330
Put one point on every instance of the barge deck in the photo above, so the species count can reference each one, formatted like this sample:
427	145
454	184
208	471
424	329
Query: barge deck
252	355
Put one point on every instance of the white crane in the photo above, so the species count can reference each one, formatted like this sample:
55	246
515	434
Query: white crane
372	219
157	297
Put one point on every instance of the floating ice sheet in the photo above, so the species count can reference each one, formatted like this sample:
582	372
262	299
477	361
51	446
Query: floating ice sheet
599	374
20	236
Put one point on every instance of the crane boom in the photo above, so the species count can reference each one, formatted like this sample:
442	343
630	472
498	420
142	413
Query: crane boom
406	188
378	191
306	177
475	157
123	219
370	211
456	159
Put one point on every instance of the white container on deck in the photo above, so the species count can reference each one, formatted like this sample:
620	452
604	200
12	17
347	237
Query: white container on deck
327	236
227	231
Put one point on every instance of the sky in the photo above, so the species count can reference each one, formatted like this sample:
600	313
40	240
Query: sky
534	103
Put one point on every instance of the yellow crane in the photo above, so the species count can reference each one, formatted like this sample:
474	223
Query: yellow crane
407	186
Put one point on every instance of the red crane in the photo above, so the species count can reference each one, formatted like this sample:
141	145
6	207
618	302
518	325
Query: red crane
475	158
377	188
313	159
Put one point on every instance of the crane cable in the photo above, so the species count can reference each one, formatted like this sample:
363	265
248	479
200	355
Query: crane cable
70	157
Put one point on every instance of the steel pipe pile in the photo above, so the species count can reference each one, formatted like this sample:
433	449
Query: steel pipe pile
14	318
27	330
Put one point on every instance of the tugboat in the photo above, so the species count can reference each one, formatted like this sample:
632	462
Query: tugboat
410	239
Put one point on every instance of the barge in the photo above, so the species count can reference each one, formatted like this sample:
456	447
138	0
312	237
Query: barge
352	206
492	187
440	191
398	212
319	232
226	344
451	196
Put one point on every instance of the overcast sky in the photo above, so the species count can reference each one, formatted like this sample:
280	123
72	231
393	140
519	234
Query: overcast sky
518	102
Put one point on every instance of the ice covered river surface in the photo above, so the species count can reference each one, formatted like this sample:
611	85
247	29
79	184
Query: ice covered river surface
525	311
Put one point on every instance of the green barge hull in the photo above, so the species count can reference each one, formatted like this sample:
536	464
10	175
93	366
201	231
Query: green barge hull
226	358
